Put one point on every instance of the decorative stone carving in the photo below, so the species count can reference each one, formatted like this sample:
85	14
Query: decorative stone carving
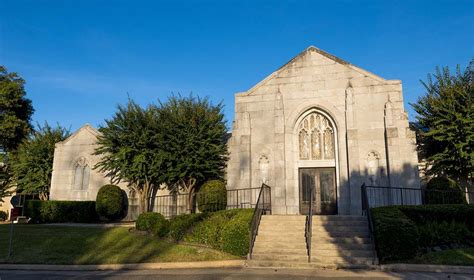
263	164
317	130
373	160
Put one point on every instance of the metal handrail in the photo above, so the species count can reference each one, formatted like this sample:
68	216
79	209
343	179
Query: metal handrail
261	207
366	208
309	224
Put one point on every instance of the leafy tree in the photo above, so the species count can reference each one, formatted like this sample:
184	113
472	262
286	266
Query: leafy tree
445	124
15	111
193	142
32	162
130	150
5	178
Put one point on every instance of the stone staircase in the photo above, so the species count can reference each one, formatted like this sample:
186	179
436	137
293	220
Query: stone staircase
338	241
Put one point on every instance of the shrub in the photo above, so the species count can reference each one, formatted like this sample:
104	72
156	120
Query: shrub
460	213
226	230
444	233
154	223
441	190
396	235
3	216
212	196
236	233
182	224
54	211
111	203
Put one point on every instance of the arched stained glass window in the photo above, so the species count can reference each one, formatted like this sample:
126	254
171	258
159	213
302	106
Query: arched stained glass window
81	174
319	143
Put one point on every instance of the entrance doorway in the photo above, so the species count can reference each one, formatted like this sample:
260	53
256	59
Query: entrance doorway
323	182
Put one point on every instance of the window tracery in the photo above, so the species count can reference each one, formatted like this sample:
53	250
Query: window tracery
316	138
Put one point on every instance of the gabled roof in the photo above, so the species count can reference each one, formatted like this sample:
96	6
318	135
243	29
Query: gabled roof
323	53
87	128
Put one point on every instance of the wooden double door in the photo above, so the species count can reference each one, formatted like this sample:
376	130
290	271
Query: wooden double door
322	181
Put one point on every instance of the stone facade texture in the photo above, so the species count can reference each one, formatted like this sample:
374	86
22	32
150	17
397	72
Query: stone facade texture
374	144
372	140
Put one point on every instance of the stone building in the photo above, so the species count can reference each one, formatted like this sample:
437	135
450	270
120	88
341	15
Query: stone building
318	121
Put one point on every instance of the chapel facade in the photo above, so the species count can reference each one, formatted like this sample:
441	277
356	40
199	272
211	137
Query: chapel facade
318	123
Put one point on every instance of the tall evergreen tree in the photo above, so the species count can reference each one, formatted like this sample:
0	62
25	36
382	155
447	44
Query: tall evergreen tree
445	124
32	162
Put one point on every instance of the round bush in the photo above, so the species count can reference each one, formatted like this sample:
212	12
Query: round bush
212	196
154	223
442	190
111	203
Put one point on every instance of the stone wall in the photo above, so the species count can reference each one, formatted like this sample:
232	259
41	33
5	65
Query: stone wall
374	143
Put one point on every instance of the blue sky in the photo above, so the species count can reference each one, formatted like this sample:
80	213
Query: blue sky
82	58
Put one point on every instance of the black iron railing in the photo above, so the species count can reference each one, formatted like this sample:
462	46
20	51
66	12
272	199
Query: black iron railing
263	206
366	211
378	196
309	224
176	204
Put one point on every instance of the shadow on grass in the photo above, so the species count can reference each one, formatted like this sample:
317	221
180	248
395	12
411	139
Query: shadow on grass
37	244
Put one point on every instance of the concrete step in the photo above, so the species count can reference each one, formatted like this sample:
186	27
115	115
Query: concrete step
339	218
341	246
317	252
343	234
301	244
290	233
281	228
330	228
340	240
281	238
340	223
282	251
281	218
342	260
315	265
280	257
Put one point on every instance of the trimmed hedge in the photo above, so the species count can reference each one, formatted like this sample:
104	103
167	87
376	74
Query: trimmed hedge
401	231
55	211
212	196
111	203
226	230
154	223
396	235
182	224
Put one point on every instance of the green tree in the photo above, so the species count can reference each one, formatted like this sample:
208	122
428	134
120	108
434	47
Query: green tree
15	111
130	150
193	142
32	162
6	187
445	124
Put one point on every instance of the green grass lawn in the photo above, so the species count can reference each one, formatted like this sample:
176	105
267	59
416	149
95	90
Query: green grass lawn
37	244
463	256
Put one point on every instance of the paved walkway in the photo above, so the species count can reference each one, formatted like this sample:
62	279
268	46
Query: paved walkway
228	274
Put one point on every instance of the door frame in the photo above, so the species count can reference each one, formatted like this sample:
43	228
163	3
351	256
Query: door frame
317	184
314	163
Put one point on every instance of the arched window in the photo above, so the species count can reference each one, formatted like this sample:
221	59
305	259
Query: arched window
319	144
81	174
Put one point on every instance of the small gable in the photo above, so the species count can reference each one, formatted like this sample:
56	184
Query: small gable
86	135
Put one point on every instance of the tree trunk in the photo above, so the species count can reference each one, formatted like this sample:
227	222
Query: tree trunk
188	187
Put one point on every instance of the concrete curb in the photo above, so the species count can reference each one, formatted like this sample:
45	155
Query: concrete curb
401	267
134	266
